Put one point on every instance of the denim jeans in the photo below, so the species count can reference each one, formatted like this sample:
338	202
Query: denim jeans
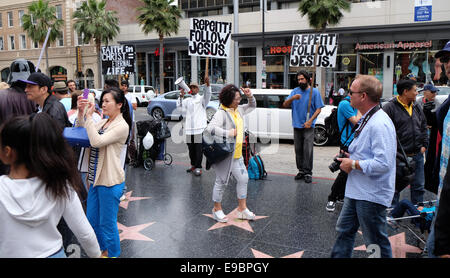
58	255
408	207
417	187
102	209
372	219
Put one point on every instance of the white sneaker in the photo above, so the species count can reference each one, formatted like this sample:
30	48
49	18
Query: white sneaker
331	206
219	216
246	214
123	197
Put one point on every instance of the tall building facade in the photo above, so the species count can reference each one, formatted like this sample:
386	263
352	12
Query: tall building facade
64	64
381	38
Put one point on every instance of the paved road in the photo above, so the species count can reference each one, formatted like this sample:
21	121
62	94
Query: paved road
278	157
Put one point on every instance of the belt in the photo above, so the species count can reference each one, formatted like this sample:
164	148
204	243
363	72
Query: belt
411	154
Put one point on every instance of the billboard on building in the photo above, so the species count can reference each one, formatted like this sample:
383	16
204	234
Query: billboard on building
304	47
209	38
118	59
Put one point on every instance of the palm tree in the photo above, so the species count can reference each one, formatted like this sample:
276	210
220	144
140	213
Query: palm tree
322	13
93	21
39	19
163	17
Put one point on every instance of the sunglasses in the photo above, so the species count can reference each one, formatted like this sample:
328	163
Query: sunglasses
445	59
351	92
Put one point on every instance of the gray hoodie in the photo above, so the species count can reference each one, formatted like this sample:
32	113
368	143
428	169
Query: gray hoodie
29	217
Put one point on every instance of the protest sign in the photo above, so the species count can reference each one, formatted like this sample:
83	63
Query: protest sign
118	59
304	48
209	38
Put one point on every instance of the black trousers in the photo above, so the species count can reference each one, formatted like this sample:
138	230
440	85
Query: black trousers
304	146
338	187
194	143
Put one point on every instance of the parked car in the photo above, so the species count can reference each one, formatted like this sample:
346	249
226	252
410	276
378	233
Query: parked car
143	93
164	106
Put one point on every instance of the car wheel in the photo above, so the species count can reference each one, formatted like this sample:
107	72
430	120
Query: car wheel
320	136
157	113
210	114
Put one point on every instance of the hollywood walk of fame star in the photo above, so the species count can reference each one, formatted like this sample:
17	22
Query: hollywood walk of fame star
261	255
398	246
133	232
128	199
234	221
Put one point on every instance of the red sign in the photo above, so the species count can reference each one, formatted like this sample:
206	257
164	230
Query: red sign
280	50
157	52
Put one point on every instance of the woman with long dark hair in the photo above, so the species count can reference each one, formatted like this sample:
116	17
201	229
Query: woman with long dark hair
106	176
40	188
228	122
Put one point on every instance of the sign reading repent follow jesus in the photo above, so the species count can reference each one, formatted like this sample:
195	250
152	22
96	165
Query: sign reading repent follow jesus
304	48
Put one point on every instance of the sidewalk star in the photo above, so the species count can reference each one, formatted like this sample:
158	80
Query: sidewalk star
128	199
398	246
133	232
261	255
234	221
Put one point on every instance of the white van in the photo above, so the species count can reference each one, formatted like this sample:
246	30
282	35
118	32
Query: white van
271	120
143	93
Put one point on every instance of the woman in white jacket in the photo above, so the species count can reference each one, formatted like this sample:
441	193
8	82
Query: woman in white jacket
40	189
228	122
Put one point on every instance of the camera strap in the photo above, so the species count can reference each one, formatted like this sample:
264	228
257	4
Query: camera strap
403	152
359	127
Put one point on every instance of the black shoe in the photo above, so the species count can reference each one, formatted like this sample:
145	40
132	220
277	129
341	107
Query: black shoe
208	165
190	169
308	178
299	176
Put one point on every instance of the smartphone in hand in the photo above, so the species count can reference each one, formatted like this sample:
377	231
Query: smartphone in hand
85	93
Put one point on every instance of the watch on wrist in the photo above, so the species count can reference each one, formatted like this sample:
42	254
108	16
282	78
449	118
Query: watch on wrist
354	164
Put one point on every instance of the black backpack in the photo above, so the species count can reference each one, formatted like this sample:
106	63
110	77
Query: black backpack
331	124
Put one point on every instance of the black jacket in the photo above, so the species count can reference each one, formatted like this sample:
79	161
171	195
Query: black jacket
412	131
442	224
56	110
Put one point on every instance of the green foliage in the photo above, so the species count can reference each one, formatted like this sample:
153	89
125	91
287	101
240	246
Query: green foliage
323	13
45	17
95	22
159	16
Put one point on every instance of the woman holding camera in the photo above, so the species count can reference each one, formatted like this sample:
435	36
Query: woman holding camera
228	122
106	176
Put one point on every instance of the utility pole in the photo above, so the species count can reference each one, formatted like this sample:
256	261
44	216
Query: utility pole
263	5
236	44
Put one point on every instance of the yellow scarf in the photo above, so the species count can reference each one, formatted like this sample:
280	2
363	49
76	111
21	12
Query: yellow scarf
239	123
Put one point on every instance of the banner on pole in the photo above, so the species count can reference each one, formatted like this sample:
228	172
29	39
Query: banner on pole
303	50
209	38
118	59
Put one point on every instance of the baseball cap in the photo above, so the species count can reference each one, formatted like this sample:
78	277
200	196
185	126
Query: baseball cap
443	50
38	78
429	87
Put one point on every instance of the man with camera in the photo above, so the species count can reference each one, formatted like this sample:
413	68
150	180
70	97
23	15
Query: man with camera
371	175
347	118
194	108
411	128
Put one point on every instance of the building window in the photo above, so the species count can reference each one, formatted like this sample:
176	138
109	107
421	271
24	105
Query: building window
217	70
2	47
275	71
21	13
12	44
59	14
23	42
60	41
184	66
79	39
1	20
10	19
247	67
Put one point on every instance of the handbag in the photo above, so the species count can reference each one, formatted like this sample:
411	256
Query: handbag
76	136
215	148
405	169
163	131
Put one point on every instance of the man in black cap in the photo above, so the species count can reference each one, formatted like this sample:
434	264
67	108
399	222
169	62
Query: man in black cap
13	101
38	90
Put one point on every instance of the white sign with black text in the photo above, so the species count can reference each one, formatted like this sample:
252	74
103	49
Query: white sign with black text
209	38
118	59
304	48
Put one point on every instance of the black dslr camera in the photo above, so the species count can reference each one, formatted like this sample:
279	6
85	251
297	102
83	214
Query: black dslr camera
336	164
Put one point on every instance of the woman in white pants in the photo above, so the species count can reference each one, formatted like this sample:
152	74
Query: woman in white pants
228	122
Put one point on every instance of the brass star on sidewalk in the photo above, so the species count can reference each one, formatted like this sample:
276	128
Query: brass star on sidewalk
234	221
398	246
261	255
128	199
133	232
